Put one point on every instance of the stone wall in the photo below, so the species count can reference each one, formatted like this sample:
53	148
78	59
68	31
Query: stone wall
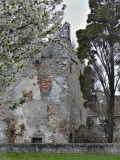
53	99
92	135
61	148
77	112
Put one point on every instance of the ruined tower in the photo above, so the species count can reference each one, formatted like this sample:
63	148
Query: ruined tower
54	105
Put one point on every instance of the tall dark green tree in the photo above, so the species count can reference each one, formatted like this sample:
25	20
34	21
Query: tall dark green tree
100	44
88	77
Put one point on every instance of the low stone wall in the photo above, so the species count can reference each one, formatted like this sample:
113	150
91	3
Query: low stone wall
61	148
86	135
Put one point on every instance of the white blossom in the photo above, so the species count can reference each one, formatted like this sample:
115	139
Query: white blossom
23	23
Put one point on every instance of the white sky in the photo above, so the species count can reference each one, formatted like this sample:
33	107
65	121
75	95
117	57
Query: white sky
76	14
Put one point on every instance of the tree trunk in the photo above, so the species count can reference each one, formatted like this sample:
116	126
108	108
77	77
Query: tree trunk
110	124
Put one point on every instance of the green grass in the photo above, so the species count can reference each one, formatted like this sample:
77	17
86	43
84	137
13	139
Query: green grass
17	156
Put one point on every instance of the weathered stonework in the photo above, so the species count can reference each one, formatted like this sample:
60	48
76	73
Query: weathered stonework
96	148
54	105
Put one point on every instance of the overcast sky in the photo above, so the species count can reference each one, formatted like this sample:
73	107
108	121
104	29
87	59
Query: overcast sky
76	14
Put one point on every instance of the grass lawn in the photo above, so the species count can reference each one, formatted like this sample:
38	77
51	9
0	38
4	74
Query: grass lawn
16	156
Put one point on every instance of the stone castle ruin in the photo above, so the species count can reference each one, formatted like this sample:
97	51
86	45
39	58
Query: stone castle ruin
53	109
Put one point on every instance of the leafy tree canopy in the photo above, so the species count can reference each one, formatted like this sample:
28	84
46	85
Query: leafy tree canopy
88	77
99	43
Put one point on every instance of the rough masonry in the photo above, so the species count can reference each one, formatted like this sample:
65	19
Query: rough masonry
53	109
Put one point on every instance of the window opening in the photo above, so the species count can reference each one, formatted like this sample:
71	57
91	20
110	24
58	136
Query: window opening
37	140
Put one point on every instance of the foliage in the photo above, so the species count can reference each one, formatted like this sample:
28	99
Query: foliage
25	27
90	122
88	77
100	44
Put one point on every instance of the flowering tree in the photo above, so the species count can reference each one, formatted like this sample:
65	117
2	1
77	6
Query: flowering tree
25	27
